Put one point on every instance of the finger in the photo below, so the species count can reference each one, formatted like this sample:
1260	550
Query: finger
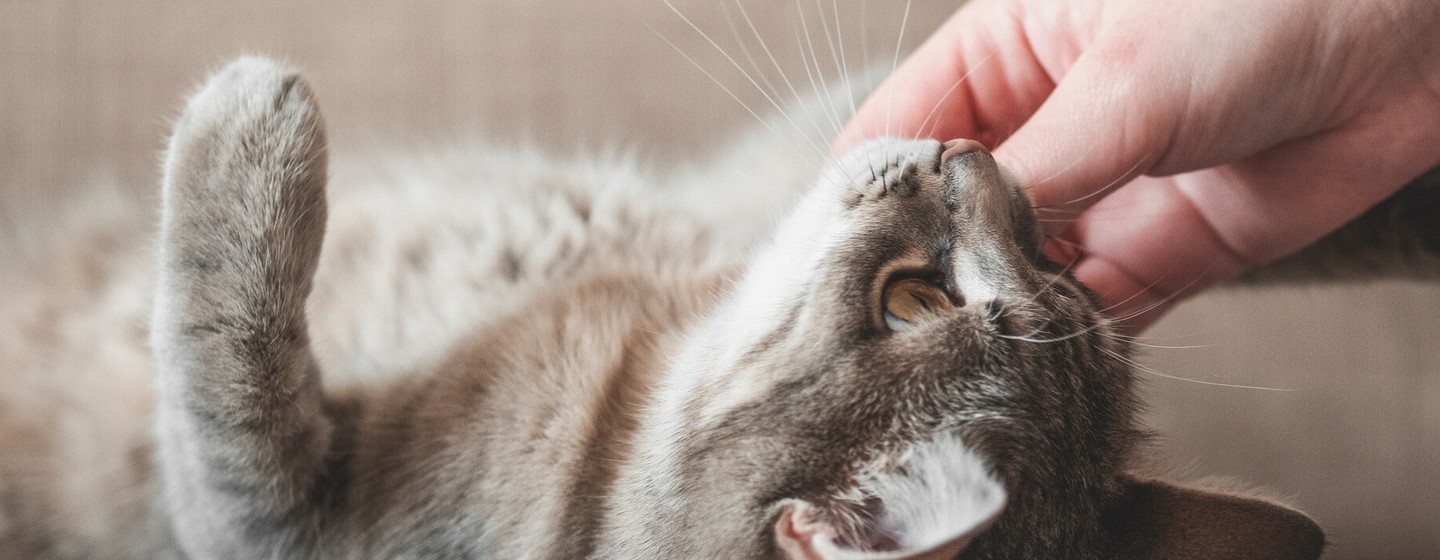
1159	240
974	78
1145	248
1101	127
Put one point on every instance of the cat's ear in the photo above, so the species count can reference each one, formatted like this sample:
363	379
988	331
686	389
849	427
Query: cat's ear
928	506
1164	521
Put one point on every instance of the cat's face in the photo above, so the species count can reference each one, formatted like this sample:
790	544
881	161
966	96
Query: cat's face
912	326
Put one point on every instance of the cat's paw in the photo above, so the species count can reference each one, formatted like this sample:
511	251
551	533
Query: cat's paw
249	91
245	172
250	120
879	168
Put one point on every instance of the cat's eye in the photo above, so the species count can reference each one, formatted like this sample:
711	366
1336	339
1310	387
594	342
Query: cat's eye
908	299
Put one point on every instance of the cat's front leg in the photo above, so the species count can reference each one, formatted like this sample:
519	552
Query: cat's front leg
242	434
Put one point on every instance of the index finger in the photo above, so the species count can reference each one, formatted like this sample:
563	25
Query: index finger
976	77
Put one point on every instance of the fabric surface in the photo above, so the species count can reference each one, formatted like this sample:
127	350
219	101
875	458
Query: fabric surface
87	90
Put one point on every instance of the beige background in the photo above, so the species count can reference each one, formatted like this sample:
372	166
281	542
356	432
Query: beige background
86	89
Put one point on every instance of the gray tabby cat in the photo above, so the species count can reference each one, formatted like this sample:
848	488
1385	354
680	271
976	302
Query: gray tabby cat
582	364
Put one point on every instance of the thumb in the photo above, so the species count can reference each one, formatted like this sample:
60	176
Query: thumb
1104	124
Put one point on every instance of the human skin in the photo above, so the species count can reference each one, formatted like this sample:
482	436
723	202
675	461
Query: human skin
1168	146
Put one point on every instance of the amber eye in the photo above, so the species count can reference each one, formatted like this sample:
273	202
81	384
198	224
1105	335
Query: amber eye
907	300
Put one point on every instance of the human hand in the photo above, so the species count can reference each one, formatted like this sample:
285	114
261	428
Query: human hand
1197	138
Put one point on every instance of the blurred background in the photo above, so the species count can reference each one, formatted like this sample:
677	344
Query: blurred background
1349	431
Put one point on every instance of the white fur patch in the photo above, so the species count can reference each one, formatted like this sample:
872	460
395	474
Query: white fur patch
939	492
943	489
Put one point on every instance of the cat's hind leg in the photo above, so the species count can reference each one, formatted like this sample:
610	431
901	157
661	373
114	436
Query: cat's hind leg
242	434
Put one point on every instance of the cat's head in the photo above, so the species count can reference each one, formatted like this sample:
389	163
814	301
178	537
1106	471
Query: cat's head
902	374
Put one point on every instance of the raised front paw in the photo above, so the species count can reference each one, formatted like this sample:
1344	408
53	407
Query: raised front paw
242	416
883	167
253	127
245	175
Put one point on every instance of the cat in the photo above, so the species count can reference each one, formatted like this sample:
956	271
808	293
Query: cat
516	358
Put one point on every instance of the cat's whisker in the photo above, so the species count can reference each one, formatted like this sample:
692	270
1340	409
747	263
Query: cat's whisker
837	55
874	176
1156	346
745	50
1162	301
1057	209
1054	279
1151	371
1098	192
869	161
817	75
1201	332
1106	215
1136	339
1070	210
865	28
844	68
742	71
1143	310
1028	337
1138	293
1147	308
722	52
895	63
1068	242
844	63
775	92
712	77
925	124
770	54
1056	174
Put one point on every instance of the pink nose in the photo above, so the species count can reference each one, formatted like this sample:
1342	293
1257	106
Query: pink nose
961	146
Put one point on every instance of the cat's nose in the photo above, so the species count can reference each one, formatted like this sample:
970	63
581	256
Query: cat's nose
960	146
968	163
974	180
988	262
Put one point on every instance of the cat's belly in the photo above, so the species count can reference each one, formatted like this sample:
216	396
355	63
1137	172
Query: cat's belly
407	270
